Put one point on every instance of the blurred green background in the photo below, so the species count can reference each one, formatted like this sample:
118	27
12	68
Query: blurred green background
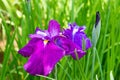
19	18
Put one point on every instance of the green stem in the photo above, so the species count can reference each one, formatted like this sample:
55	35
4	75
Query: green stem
93	62
102	78
56	72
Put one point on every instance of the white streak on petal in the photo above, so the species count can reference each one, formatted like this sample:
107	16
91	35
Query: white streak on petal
41	33
75	30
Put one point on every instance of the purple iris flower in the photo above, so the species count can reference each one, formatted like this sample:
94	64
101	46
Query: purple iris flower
77	35
73	43
43	53
47	47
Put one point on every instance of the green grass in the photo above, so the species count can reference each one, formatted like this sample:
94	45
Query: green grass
21	17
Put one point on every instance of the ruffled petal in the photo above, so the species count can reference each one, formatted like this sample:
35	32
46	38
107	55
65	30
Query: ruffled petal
72	30
28	49
77	35
44	59
81	29
53	28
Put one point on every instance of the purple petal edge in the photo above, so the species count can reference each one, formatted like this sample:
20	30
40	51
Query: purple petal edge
53	28
28	49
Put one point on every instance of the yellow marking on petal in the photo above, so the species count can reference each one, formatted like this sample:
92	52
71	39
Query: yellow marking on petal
45	42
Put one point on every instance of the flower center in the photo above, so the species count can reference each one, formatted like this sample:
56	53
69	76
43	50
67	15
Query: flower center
45	42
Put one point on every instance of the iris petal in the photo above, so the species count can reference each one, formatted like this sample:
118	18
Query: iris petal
53	54
69	47
35	63
28	49
88	43
77	54
68	33
44	58
53	28
78	39
39	34
77	35
82	28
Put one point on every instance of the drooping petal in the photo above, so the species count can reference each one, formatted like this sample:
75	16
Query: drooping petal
35	66
29	48
77	54
69	47
53	28
78	39
65	44
88	43
53	54
44	58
